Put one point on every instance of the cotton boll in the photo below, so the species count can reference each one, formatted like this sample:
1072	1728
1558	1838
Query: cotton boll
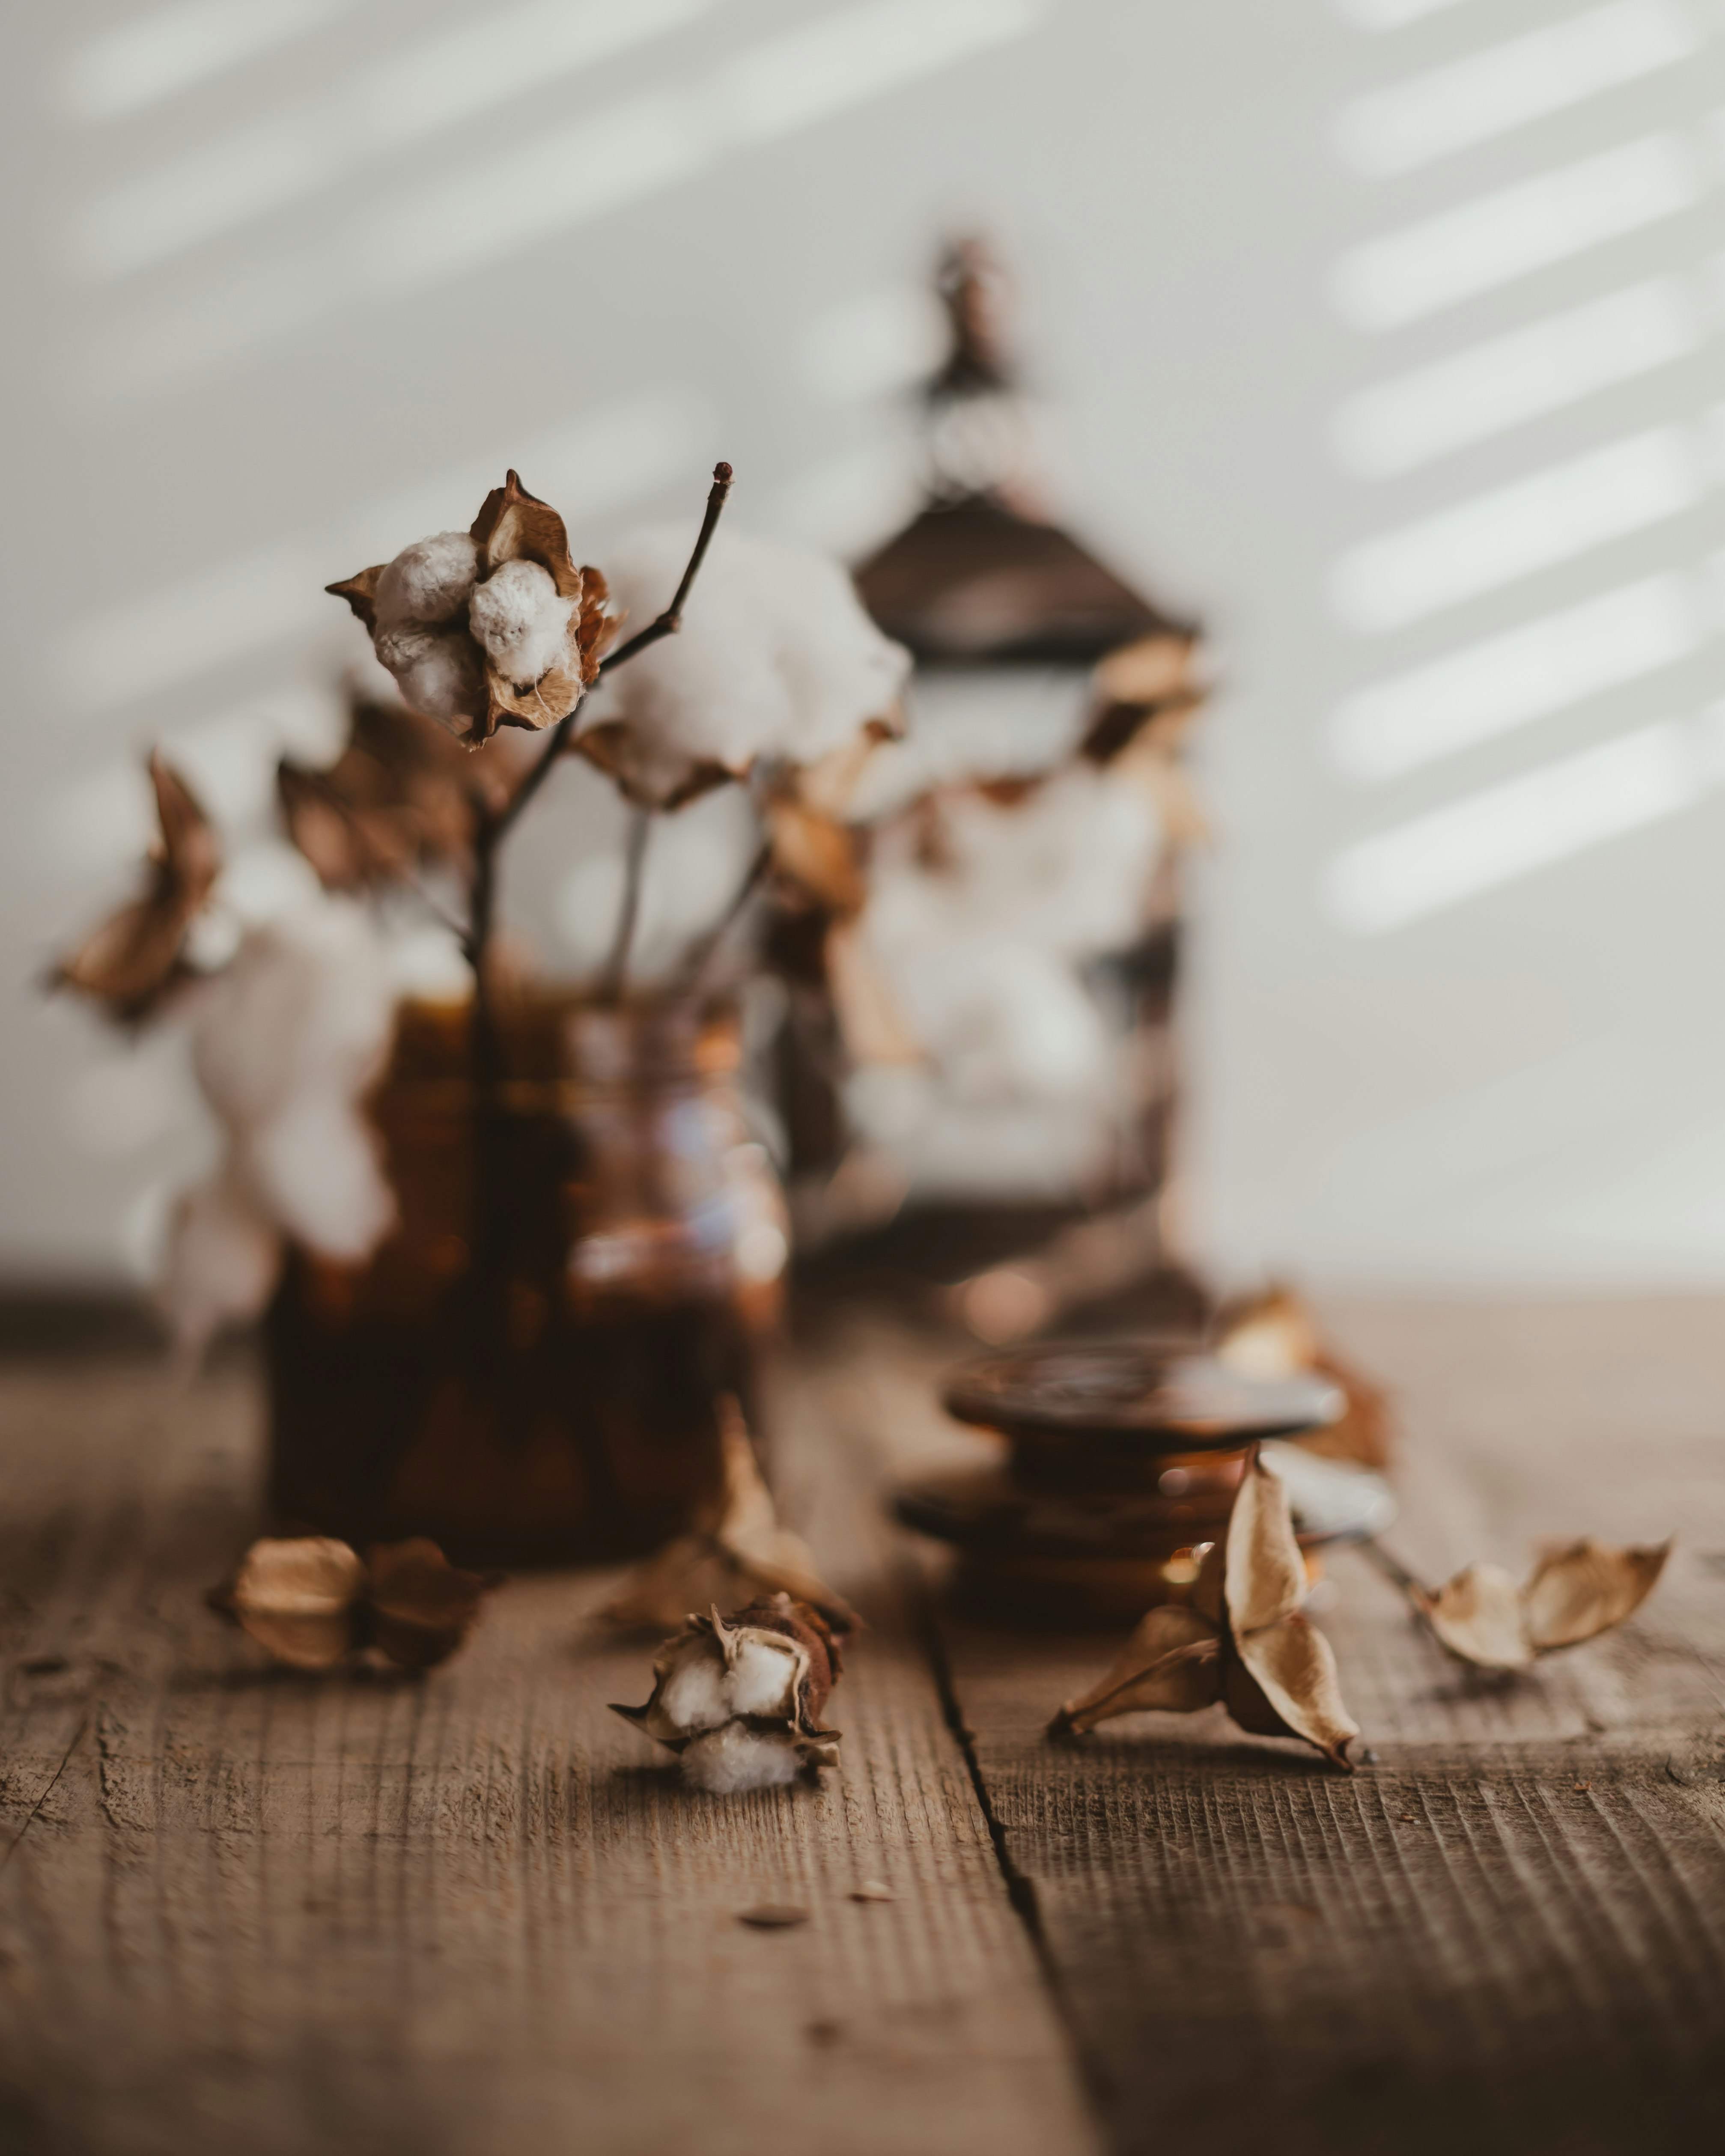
694	1693
308	999
728	1760
764	1670
776	660
223	1255
316	1164
427	582
438	674
523	624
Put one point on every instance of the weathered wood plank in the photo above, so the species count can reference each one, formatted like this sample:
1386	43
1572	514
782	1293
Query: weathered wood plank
241	1908
1511	1925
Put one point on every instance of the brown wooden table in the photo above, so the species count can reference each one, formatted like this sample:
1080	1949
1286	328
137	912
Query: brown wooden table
241	1910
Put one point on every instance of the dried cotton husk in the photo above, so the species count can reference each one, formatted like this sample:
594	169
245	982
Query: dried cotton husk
1241	1641
310	1601
1573	1593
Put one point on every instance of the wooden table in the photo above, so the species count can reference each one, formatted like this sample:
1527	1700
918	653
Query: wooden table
246	1911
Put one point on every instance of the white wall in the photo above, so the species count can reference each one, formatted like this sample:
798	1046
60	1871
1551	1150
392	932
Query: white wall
270	323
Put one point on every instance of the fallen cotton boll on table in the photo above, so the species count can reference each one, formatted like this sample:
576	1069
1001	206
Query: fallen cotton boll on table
739	1699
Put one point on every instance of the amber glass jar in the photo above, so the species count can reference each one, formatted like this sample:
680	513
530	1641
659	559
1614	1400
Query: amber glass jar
528	1368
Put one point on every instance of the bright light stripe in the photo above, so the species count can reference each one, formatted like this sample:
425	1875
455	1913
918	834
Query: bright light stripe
499	54
1395	726
1390	14
223	185
1490	387
142	62
1500	237
1497	538
811	74
1424	867
216	189
555	182
222	613
1490	93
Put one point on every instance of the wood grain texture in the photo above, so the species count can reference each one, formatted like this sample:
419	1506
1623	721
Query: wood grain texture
243	1909
1510	1926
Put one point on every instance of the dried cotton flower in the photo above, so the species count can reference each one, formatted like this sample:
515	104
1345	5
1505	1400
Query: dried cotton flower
496	626
739	1699
1241	1642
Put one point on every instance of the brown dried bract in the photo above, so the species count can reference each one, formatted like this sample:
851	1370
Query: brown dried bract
515	526
736	1547
1240	1641
1574	1593
309	1601
421	1606
1274	1335
397	800
137	955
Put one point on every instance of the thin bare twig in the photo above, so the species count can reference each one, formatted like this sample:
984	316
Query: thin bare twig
1392	1569
640	827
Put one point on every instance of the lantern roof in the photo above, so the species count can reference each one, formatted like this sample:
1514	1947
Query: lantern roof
975	582
977	577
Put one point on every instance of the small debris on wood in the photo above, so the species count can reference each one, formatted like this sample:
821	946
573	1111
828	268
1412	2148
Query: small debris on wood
772	1916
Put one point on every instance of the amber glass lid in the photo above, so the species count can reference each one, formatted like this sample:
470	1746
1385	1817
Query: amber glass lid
1155	1396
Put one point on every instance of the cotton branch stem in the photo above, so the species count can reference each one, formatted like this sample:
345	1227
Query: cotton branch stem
1393	1570
641	828
700	958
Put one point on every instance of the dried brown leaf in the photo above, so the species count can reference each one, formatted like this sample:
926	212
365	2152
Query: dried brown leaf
422	1607
1170	1665
398	799
136	955
1576	1593
1281	1682
1480	1617
297	1598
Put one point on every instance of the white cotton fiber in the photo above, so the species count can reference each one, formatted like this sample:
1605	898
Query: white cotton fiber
438	672
776	660
427	582
224	1254
763	1675
694	1694
523	624
733	1758
287	1041
316	1164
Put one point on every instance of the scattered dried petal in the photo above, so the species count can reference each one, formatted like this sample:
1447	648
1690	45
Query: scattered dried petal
136	955
296	1598
422	1607
1479	1616
1170	1665
1574	1594
1579	1592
